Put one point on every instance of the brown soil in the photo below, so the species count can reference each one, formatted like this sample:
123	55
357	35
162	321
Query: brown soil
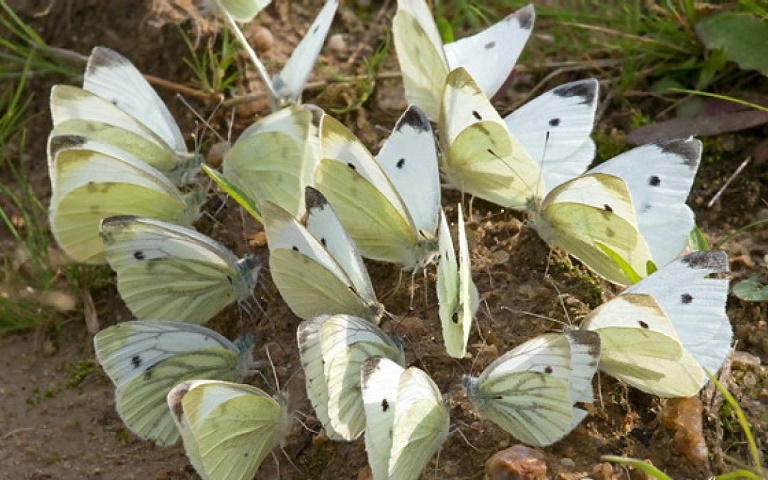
58	425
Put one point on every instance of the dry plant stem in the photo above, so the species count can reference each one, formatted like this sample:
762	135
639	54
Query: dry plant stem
375	21
182	89
619	33
728	182
252	54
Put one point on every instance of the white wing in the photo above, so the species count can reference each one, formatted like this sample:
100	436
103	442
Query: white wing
659	177
325	226
379	381
111	76
554	129
289	83
409	159
695	304
490	55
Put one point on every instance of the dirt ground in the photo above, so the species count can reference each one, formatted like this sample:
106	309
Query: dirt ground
56	405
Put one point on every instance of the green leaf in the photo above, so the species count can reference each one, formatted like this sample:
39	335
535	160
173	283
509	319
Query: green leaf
743	38
446	32
697	241
233	191
750	290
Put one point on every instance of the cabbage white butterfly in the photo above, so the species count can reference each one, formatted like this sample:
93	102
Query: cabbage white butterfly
660	334
531	390
456	292
275	158
316	266
489	55
406	419
227	428
91	181
169	272
146	359
332	348
243	10
388	205
118	106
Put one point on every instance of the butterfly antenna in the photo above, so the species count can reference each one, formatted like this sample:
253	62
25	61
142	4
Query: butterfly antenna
560	299
542	160
262	71
535	315
206	123
274	371
426	287
461	434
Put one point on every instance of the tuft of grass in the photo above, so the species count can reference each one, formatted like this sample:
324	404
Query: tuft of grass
23	53
215	67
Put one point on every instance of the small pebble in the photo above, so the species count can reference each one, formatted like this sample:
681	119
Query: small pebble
518	462
337	43
745	359
261	38
567	462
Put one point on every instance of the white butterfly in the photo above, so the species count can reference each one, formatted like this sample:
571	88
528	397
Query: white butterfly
286	87
316	266
169	272
146	359
91	180
332	348
117	106
663	332
388	205
227	428
531	390
275	158
456	292
489	55
406	419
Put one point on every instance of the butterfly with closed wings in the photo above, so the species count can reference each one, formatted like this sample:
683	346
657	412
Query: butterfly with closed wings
316	266
389	204
145	360
165	271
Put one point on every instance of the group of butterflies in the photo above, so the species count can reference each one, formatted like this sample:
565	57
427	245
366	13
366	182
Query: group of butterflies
124	191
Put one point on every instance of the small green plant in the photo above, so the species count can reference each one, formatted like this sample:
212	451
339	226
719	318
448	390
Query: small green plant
215	66
366	85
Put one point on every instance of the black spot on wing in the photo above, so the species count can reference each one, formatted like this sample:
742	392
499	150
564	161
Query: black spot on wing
414	118
400	163
688	150
314	30
554	122
654	181
608	208
548	369
352	166
384	405
524	17
586	89
314	199
136	361
686	298
295	248
642	324
322	241
489	45
476	115
139	255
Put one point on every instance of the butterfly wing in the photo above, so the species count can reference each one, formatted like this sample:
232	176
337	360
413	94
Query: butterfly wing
379	382
480	156
659	177
169	272
112	77
274	159
146	359
420	55
243	10
231	427
639	345
409	160
589	216
554	129
290	82
420	425
490	55
88	185
694	302
346	343
309	278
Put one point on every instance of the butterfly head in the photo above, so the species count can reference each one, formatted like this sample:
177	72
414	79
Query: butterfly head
248	273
